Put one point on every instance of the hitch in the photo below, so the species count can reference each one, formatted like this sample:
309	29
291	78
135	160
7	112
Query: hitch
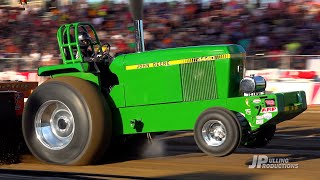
137	125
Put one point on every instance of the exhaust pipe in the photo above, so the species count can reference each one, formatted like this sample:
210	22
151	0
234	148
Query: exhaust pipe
136	8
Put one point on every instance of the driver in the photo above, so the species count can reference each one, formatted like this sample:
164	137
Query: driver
85	42
87	52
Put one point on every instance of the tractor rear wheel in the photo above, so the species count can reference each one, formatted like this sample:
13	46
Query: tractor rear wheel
67	121
217	132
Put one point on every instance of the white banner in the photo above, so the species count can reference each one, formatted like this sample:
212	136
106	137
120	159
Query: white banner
284	74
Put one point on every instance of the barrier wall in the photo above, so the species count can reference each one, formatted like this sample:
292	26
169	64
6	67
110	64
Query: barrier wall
22	76
285	74
312	89
282	80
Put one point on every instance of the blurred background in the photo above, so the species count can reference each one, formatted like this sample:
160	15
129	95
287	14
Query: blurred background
281	35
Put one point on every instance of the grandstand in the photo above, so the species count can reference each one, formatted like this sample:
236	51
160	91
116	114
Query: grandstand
286	33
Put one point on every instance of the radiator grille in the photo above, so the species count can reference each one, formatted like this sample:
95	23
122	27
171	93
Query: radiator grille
198	81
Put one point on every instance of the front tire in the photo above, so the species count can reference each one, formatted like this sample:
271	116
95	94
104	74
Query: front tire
66	121
261	138
217	132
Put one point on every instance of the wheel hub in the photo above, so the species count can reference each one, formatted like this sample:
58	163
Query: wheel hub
218	133
214	133
54	125
62	124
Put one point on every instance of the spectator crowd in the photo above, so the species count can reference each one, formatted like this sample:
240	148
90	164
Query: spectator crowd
290	27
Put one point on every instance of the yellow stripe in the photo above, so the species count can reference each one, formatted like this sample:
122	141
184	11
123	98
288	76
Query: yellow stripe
131	67
182	61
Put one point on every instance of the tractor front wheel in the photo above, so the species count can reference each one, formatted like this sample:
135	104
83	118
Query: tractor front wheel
261	137
217	132
67	121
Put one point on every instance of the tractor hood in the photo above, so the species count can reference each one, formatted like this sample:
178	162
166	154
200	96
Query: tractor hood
176	56
179	74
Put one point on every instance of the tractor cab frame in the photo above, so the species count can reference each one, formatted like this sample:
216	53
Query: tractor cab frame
69	44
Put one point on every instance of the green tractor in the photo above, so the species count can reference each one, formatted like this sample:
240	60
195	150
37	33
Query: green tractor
88	103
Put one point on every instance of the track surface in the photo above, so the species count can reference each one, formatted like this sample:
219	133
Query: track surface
176	156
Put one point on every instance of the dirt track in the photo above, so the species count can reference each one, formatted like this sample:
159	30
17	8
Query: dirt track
177	157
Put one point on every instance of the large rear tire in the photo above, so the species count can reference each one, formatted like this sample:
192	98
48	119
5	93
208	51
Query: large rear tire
66	121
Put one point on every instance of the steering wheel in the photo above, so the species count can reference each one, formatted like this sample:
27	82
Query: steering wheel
104	56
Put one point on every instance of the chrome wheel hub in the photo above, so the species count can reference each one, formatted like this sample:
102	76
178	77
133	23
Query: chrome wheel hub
214	133
54	125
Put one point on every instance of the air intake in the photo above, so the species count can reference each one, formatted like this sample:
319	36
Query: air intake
198	81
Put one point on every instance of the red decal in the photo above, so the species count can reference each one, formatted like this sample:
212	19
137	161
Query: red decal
269	109
316	88
270	102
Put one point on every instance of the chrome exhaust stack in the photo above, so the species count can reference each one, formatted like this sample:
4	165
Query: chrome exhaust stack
136	8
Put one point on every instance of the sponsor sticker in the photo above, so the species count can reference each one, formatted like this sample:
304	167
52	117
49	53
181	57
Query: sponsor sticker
267	116
269	109
259	120
256	101
248	111
270	102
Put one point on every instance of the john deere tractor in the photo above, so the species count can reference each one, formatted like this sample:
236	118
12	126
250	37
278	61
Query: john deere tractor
75	116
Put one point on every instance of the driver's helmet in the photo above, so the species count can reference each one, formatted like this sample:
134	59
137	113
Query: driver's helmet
84	40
